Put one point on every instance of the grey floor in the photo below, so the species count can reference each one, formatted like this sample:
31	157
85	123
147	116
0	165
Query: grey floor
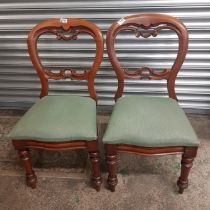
145	183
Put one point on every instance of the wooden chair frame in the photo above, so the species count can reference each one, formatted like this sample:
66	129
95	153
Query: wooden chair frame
157	22
74	27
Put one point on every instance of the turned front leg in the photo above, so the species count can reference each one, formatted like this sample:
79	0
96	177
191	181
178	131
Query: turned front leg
96	174
92	147
31	178
111	160
186	162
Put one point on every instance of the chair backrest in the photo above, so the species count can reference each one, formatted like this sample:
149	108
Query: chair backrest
156	23
74	27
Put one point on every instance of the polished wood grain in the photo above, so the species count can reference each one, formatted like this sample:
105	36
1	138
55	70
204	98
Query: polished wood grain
74	27
153	24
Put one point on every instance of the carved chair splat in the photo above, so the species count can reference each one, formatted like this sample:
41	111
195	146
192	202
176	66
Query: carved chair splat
22	141
120	136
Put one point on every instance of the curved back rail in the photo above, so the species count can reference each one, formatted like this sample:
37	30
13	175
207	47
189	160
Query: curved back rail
74	27
155	22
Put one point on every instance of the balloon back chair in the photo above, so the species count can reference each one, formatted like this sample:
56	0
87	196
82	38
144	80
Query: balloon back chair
66	122
149	125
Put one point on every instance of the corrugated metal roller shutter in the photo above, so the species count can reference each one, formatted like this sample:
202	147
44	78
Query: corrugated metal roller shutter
19	85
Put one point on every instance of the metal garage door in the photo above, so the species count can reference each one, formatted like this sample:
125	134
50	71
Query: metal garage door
19	85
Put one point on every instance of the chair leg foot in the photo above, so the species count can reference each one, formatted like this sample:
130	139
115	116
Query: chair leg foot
186	162
112	182
31	179
96	177
111	160
97	187
182	185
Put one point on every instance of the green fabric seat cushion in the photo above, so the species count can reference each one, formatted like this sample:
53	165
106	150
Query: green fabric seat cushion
58	118
149	122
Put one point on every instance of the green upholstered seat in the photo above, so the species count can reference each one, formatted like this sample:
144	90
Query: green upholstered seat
149	122
58	118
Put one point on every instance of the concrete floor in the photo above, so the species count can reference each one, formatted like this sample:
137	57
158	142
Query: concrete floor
145	183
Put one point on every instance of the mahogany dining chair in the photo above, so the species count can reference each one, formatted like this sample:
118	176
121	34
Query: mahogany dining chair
67	122
146	125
